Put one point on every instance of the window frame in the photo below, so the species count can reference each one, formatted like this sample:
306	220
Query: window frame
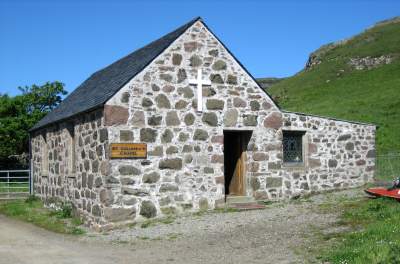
71	150
303	162
44	152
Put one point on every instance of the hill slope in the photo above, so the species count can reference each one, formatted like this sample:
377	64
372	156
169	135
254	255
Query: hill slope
355	79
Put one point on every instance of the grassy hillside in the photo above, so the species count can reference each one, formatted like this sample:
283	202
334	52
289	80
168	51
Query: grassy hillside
331	84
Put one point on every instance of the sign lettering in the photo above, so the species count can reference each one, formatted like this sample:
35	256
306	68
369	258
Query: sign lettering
128	150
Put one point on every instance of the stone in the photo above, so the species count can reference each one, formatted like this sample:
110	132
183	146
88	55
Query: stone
213	52
125	97
168	187
172	164
216	78
208	91
171	150
138	119
181	104
208	170
219	65
181	75
239	102
273	120
155	87
349	146
154	120
96	211
231	117
217	139
176	59
103	134
187	92
162	101
95	166
215	104
187	148
360	162
210	119
217	159
135	191
105	168
332	163
147	102
195	61
119	214
250	120
344	137
255	183
189	119
172	119
148	209
157	151
148	135
106	197
190	46
164	201
200	134
254	105
266	105
129	201
127	181
115	115
126	135
260	156
168	88
371	153
167	136
166	77
128	170
152	177
232	79
314	162
273	182
203	204
274	166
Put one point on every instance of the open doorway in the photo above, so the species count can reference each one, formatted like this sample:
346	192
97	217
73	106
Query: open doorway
235	146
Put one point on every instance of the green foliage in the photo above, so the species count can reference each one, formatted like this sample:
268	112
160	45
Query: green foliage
333	88
19	113
378	240
32	210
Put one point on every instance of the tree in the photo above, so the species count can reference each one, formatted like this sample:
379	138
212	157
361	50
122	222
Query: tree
19	113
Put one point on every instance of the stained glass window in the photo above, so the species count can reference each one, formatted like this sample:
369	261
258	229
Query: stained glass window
293	146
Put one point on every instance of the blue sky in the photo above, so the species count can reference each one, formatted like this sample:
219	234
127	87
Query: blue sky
48	40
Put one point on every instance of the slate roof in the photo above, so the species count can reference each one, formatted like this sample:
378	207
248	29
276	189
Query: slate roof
103	84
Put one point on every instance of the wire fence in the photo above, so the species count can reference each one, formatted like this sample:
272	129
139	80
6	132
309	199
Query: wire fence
14	184
388	166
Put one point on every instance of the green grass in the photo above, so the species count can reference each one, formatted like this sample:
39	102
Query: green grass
377	235
334	89
22	187
33	211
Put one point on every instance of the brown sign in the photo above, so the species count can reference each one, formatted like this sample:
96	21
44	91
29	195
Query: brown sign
128	150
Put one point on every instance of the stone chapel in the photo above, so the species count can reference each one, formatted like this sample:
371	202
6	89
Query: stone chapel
180	125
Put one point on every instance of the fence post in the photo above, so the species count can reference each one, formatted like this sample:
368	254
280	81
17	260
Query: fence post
8	184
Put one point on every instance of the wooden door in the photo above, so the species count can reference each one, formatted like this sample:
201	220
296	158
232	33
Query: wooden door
237	185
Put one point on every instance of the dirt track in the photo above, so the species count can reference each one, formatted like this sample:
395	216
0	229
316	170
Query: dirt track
278	234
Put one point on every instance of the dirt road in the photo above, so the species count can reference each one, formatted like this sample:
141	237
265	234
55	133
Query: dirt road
279	234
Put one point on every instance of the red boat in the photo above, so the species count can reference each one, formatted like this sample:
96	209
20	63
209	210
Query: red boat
384	192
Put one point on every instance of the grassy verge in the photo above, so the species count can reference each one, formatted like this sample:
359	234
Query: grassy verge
375	235
33	211
16	187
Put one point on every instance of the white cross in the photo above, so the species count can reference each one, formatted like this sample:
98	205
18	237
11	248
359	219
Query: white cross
199	82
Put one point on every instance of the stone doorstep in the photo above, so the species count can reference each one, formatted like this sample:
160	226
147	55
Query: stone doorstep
246	206
231	199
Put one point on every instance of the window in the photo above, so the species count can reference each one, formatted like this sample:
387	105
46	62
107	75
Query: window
293	146
44	155
71	149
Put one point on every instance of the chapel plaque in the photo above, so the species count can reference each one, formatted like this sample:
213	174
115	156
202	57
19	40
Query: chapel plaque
128	150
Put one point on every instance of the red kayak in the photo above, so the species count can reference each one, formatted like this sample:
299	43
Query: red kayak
384	192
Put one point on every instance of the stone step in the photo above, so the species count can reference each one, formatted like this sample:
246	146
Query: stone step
239	199
246	206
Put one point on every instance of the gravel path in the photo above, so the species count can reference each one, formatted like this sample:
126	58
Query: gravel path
279	234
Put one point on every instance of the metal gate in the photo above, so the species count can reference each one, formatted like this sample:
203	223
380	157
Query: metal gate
15	184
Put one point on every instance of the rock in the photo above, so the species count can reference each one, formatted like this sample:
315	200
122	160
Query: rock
217	139
119	214
254	105
172	164
162	101
216	78
167	136
134	191
129	201
210	119
273	182
273	120
274	166
157	151
172	119
203	204
215	104
344	137
332	163
208	91
260	156
190	46
195	61
171	150
371	153
217	159
147	102
314	162
96	211
187	148
138	119
148	135
106	197
349	146
154	120
152	177
200	134
155	87
176	59
181	104
189	119
208	170
181	75
95	166
231	117
187	92
213	52
103	134
166	77
147	209
219	65
250	120
232	79
164	201
127	181
168	187
128	170
168	88
255	183
266	105
125	97
105	168
115	115
126	135
239	102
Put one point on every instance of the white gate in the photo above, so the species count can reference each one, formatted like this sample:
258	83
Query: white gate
15	184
